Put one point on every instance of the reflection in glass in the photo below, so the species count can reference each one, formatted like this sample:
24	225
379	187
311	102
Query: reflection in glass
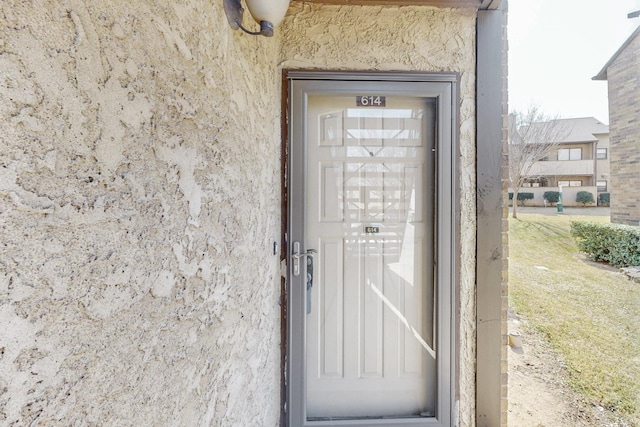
370	341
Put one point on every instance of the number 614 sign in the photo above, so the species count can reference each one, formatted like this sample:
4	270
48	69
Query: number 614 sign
371	101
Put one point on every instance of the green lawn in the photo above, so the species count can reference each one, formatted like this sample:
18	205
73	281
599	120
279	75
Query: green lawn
589	312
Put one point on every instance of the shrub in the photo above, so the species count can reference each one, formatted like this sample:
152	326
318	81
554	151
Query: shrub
523	197
619	245
604	199
552	196
584	197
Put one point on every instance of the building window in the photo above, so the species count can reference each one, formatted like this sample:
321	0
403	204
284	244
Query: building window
602	186
569	183
601	153
535	182
570	154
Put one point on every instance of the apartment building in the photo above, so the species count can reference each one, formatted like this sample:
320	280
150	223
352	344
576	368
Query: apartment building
622	73
579	161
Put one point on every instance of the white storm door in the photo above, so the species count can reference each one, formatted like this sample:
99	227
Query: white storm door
363	307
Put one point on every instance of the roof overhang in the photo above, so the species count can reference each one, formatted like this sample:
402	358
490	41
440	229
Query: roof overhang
602	75
479	4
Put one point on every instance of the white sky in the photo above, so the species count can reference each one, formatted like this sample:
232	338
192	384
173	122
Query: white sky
557	46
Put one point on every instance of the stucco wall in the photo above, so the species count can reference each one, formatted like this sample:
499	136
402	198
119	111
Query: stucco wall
412	39
139	199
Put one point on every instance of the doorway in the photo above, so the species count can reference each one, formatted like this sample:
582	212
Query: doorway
371	279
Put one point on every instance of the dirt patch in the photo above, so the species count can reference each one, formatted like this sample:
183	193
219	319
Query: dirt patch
539	390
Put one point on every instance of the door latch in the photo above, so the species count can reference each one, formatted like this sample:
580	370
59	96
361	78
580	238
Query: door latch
296	255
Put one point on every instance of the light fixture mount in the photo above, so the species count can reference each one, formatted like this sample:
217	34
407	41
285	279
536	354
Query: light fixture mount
267	16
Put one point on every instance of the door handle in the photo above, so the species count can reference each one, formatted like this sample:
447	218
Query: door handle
296	256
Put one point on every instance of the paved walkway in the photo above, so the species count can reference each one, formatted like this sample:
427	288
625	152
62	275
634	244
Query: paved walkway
586	211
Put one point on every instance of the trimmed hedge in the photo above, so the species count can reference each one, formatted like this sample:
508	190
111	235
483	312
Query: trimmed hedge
617	244
523	197
584	197
604	199
552	196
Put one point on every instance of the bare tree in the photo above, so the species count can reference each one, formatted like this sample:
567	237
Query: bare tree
532	137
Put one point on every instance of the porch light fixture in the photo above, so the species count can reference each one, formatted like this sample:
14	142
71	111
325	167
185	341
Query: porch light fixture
268	13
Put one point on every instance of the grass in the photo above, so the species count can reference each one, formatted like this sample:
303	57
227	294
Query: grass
590	313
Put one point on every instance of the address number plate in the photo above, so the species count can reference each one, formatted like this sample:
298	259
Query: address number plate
371	230
371	101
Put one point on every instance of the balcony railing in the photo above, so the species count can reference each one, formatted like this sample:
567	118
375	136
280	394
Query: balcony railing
569	167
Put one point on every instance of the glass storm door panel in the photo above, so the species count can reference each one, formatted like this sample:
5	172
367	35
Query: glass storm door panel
363	205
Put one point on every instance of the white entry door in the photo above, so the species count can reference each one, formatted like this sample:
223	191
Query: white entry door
364	308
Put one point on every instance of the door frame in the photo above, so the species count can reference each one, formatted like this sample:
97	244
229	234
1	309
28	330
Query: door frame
444	87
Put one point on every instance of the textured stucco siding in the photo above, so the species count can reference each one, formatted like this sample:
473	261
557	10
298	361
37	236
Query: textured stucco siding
411	38
624	132
139	199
